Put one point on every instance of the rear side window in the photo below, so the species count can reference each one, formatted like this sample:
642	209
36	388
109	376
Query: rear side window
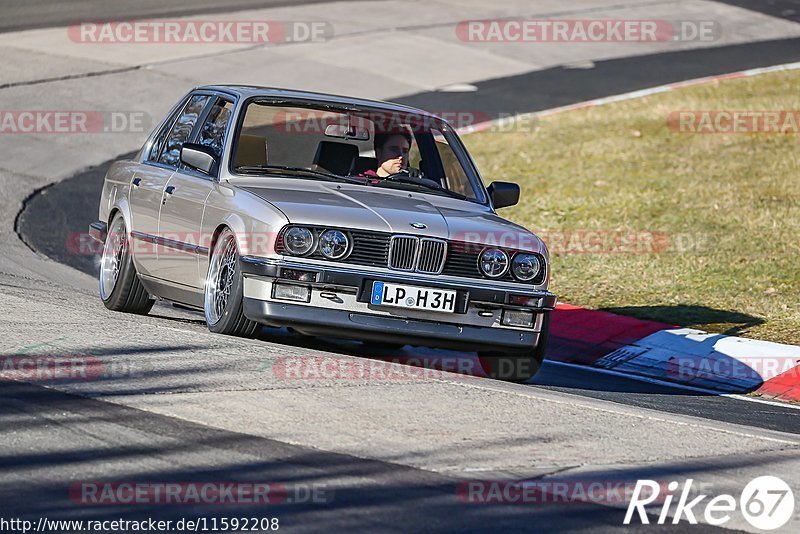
182	130
212	134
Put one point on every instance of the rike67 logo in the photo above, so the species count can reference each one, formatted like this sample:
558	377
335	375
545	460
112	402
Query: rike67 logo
767	503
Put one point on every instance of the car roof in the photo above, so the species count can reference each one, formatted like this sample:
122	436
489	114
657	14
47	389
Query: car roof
247	91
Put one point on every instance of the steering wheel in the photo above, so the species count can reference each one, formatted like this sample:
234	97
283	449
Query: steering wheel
405	174
413	177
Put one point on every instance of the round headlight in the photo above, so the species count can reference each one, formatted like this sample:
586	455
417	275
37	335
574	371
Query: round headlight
493	262
333	244
298	241
525	266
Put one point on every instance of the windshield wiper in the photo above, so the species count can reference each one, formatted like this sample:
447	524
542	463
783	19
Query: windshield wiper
295	171
430	187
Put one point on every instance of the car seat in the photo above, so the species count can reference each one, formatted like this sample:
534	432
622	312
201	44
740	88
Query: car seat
335	157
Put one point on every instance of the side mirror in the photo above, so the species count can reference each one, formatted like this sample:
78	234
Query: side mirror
198	157
503	194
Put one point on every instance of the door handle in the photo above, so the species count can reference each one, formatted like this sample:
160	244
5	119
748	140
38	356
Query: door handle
168	191
136	182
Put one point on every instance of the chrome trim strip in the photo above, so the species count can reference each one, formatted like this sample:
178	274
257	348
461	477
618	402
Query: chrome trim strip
170	243
143	237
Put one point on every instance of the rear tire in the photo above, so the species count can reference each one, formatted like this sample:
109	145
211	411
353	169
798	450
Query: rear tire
224	290
120	288
517	368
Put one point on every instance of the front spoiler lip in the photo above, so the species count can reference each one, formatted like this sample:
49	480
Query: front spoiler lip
342	275
355	325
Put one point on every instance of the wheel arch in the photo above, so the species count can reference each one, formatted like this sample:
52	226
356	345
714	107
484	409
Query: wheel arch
123	207
112	214
215	237
237	225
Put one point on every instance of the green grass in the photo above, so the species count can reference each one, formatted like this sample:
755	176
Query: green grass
732	200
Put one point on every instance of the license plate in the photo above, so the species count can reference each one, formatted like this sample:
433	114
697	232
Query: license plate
413	297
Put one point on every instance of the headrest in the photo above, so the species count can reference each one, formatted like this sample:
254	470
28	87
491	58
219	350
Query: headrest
251	150
335	157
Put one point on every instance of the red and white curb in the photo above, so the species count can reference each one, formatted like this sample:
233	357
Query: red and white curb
661	352
682	356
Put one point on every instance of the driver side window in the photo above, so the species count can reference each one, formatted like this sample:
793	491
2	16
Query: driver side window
182	130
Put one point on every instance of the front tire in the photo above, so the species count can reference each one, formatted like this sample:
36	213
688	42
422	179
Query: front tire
517	368
120	288
224	290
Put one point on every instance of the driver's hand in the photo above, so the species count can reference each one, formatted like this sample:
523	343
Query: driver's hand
413	173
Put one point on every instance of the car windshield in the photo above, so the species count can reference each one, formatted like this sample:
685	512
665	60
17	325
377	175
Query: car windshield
373	148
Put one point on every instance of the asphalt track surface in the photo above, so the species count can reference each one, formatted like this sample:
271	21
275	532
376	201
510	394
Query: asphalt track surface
54	219
560	86
785	9
384	493
30	14
381	498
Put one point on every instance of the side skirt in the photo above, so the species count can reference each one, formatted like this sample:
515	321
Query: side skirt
178	293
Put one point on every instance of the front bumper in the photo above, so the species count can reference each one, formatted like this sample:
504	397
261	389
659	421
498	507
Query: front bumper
339	305
98	231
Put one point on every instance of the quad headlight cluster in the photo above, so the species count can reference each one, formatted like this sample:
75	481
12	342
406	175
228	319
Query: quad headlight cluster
495	263
334	244
301	241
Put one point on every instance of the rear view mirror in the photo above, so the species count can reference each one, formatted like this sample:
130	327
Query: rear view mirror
503	194
198	157
343	131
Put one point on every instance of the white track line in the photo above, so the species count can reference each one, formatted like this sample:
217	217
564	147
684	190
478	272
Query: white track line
674	385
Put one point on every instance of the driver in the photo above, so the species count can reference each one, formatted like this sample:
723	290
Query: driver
391	151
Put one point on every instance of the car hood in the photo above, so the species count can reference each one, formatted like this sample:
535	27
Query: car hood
386	210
